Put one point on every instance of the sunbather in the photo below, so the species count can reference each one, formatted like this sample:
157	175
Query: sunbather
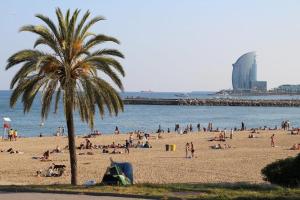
295	147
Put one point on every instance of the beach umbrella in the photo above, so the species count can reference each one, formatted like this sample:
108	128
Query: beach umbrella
6	119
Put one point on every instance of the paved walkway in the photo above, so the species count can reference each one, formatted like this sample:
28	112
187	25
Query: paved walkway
48	196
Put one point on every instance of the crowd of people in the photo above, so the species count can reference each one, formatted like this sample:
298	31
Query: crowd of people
137	139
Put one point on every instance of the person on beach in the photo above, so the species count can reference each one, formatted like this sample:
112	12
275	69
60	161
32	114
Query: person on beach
46	155
117	130
10	134
198	127
187	149
15	135
192	150
295	147
231	134
273	140
243	126
88	144
127	144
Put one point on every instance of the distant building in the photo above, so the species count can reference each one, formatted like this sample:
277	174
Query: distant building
259	85
244	74
288	89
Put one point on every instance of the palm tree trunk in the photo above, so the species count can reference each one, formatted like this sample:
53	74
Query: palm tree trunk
72	145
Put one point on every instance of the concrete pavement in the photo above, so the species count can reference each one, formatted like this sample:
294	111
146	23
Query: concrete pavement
50	196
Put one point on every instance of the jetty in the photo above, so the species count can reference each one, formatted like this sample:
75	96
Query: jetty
214	102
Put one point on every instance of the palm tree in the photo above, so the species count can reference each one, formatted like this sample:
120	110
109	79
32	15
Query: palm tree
68	67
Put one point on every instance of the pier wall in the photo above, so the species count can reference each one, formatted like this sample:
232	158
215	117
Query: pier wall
213	102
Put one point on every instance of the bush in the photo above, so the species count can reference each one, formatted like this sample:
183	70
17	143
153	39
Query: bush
285	172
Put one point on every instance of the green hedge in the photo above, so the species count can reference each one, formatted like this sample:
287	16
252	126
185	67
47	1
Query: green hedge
285	172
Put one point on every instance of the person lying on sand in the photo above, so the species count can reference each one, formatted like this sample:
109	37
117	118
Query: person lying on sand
254	130
56	150
11	151
219	146
295	131
115	151
295	147
217	138
113	145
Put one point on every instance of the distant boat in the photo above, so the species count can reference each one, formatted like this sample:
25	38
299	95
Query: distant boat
223	93
146	91
181	95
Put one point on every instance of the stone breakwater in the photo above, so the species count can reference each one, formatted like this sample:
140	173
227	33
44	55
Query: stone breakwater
213	102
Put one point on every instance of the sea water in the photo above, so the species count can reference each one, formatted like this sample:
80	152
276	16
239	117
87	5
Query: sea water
149	117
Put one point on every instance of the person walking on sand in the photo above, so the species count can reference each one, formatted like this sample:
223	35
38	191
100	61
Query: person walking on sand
15	135
273	140
192	150
231	134
198	127
10	134
117	130
127	144
243	126
187	149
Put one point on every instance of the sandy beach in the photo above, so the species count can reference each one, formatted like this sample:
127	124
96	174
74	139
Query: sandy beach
240	163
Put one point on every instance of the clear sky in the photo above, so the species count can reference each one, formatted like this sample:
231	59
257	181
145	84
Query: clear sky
175	45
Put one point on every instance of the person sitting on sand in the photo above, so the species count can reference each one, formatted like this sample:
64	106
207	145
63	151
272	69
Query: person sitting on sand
159	136
46	155
217	146
105	150
88	144
221	137
147	145
139	145
81	146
